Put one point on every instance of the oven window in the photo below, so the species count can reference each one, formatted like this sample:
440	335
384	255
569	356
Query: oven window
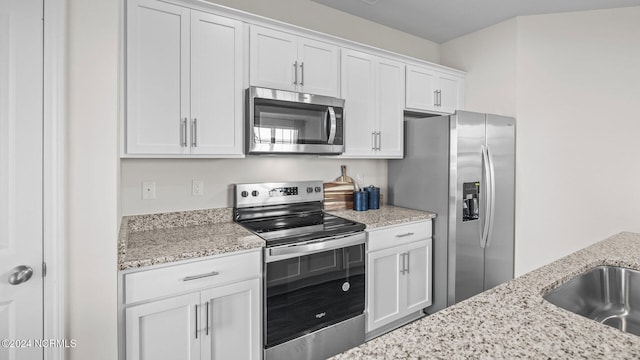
281	122
310	292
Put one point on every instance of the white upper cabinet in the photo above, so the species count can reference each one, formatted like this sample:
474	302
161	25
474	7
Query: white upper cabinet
373	89
280	60
434	91
183	82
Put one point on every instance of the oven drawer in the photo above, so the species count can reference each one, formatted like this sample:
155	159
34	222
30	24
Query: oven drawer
174	279
395	235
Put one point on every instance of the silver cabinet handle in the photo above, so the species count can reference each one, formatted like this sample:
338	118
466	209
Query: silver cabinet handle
379	140
373	140
439	97
302	74
197	321
194	132
295	73
20	274
206	304
183	132
404	235
194	277
403	264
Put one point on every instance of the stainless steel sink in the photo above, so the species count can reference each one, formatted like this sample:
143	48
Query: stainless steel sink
607	294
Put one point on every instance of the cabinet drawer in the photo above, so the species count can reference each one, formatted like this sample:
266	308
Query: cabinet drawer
149	284
398	235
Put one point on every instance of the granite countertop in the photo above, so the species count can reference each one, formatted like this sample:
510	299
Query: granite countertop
385	216
514	321
162	238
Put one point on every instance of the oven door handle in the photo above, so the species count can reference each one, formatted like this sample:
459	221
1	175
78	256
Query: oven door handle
297	250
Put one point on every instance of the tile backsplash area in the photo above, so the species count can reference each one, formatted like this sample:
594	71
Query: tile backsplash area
174	178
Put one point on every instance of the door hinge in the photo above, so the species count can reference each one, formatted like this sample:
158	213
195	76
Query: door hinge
44	269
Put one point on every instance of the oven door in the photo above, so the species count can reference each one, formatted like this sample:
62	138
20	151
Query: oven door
287	122
313	285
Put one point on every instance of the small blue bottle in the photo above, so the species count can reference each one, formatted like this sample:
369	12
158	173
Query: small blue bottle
360	200
374	197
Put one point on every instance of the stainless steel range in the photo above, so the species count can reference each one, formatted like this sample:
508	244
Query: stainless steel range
314	271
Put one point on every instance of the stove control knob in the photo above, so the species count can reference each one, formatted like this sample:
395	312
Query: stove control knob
244	193
309	190
318	189
254	193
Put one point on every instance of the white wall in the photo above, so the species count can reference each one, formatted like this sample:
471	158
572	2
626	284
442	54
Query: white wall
92	173
318	17
578	84
174	177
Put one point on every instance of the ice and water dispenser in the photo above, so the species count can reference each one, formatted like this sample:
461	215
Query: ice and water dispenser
470	193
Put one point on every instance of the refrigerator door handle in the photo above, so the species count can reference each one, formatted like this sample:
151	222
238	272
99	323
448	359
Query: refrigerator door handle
492	196
484	233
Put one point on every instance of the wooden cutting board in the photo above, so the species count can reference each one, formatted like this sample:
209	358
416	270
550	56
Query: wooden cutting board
338	195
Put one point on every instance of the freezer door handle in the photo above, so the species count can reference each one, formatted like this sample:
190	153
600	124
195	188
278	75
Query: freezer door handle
492	196
484	216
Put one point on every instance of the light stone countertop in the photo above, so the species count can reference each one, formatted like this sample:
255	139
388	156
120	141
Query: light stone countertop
513	321
152	239
385	216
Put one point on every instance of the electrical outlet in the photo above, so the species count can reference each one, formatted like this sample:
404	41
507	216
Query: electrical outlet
197	188
148	190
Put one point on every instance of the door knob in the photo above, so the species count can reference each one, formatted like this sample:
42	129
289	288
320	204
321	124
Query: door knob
20	274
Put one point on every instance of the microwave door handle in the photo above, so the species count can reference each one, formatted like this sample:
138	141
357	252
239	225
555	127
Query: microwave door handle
332	121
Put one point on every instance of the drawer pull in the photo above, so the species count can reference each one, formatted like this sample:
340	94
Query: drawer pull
404	235
194	277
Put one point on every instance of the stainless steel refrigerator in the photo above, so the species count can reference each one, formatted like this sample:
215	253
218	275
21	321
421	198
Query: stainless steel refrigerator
461	167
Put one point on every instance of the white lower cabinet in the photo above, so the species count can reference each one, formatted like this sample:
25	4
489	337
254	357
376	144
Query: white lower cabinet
216	322
399	273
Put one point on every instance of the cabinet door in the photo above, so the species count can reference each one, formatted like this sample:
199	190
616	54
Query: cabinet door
216	85
421	85
449	87
418	290
384	283
232	319
157	77
390	102
163	329
358	89
273	59
319	73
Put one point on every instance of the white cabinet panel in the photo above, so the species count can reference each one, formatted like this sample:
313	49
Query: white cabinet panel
418	276
184	81
284	61
358	90
450	87
390	109
383	285
216	84
157	76
273	59
163	330
319	67
421	85
234	320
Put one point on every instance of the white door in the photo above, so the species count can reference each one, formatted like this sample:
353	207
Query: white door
21	136
421	84
157	77
384	284
418	291
231	322
216	85
449	97
164	329
358	88
319	67
390	102
273	59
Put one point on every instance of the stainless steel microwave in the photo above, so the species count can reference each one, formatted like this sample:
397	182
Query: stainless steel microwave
285	122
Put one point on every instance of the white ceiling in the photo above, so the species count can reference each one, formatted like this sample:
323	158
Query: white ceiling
443	20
